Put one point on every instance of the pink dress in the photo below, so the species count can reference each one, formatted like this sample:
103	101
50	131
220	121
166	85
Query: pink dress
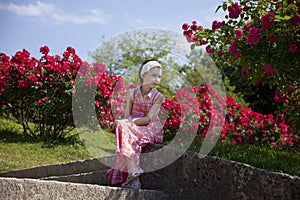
130	138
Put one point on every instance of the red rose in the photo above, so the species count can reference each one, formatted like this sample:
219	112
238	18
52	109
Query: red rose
293	48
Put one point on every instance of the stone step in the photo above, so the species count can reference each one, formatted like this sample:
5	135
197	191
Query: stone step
60	169
96	177
17	188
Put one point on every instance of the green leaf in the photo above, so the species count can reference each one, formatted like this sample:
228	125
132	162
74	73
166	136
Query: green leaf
286	17
218	8
224	6
193	46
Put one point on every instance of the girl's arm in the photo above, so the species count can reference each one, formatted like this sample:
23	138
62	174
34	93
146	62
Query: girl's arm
128	106
153	112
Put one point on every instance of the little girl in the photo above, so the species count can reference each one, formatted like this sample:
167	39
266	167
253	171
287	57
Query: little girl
139	126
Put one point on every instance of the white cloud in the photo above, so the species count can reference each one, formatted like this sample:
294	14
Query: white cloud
139	21
42	10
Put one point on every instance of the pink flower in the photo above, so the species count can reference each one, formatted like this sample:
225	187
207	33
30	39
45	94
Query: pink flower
191	38
234	10
274	144
232	49
71	50
247	27
254	35
295	20
220	52
44	50
209	49
200	28
99	68
240	139
98	103
185	26
216	25
293	48
267	20
238	55
32	78
244	73
194	27
272	38
40	101
233	141
239	32
22	84
269	70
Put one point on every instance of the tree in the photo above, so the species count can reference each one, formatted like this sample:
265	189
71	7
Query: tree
124	54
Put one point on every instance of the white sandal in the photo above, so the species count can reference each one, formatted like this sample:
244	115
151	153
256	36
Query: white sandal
134	184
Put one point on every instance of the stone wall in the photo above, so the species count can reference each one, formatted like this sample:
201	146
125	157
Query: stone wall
189	177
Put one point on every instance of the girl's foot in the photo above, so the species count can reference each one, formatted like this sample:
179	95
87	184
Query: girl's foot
132	177
134	184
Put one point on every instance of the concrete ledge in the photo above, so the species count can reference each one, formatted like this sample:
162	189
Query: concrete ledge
97	177
189	177
210	178
60	169
14	189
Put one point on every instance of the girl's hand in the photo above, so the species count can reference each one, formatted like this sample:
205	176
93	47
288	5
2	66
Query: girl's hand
112	126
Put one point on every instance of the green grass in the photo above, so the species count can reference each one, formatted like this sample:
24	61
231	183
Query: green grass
265	157
18	151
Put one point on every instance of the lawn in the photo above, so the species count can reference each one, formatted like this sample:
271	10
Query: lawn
18	151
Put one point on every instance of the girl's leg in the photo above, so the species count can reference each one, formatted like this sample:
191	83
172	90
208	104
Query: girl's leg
133	167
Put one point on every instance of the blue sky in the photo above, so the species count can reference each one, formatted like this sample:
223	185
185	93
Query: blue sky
30	24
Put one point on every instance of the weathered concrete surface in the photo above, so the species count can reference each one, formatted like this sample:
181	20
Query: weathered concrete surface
189	177
97	177
16	188
61	169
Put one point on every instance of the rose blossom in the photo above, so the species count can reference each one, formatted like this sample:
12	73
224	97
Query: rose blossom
234	10
272	38
216	25
244	73
239	32
269	70
210	49
295	20
40	101
185	26
44	50
254	35
238	55
293	48
267	20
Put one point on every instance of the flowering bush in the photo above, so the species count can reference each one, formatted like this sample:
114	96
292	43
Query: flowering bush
262	38
37	92
242	125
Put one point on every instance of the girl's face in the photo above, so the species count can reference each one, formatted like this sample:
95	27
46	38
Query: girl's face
152	78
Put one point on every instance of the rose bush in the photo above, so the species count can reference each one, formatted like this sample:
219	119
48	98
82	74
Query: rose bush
242	124
37	92
262	39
